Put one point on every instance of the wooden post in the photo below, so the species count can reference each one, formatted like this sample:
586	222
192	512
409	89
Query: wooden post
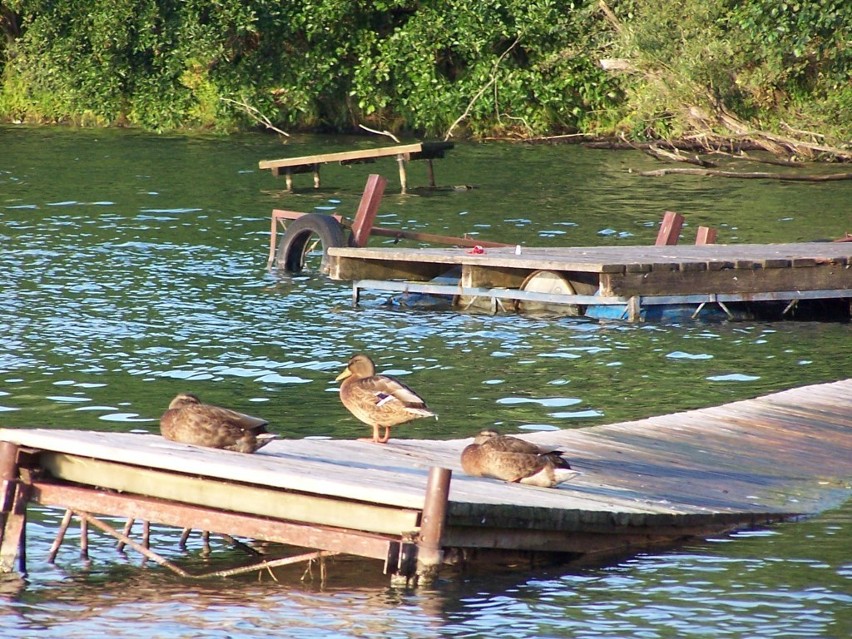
288	179
403	178
367	209
8	477
634	309
431	170
705	235
316	176
433	520
669	229
13	507
84	538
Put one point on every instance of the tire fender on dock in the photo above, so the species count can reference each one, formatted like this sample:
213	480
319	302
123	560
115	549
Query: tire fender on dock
294	243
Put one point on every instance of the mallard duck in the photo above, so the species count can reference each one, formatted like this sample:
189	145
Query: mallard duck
515	460
379	401
190	422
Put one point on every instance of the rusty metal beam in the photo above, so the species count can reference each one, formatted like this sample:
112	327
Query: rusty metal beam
186	516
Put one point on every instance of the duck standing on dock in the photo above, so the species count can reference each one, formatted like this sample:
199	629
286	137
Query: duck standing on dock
188	421
515	460
379	401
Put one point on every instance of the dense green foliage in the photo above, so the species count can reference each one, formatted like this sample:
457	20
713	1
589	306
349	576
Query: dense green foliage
775	64
508	67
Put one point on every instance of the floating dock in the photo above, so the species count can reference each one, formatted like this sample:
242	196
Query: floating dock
630	279
645	483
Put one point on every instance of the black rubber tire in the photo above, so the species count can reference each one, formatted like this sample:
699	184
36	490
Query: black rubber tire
291	249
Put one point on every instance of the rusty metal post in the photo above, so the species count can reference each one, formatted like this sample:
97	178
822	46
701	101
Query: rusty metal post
13	508
8	476
433	521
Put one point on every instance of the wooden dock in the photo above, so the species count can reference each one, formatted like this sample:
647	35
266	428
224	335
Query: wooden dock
404	153
645	483
628	277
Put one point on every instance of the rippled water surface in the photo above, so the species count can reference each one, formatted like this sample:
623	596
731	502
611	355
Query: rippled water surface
133	267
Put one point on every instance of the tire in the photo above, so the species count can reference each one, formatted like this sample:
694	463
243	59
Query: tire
296	241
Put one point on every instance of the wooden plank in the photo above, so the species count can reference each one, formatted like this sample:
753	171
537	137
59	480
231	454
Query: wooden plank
420	150
367	209
341	156
231	497
669	229
705	235
740	280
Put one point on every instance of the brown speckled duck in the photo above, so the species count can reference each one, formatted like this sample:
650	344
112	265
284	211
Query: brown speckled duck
515	460
379	401
188	421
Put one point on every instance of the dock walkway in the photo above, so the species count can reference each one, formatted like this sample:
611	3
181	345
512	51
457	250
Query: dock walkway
643	483
632	277
403	153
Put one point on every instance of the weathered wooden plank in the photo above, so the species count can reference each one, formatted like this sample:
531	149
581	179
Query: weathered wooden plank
253	500
341	156
343	268
738	280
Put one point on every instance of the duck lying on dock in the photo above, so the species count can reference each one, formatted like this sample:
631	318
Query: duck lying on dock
379	401
188	421
515	460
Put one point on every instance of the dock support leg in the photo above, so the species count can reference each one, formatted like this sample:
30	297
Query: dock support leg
84	539
316	176
288	180
60	537
431	170
403	177
128	528
634	309
429	549
13	507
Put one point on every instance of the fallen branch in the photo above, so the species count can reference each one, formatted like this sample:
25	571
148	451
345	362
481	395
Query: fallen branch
676	156
387	133
482	90
256	115
749	176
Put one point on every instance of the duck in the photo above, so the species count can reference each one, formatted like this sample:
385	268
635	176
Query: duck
189	421
515	460
380	401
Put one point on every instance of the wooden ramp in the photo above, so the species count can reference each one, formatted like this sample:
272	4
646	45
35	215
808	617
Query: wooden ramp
629	276
646	482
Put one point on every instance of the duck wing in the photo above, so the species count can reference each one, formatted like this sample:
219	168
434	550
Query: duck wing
388	393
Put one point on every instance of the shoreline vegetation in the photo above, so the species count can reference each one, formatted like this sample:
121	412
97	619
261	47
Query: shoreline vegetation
678	79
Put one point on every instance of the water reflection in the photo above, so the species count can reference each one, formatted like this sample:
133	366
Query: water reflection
765	583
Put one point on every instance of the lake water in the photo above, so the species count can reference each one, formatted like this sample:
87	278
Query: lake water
133	268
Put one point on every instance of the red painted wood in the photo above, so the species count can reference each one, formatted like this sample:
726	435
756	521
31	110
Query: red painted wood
705	235
669	229
367	209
